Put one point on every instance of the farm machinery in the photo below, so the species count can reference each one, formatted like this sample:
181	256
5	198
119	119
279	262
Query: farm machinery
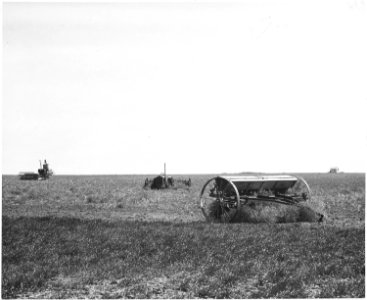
221	197
43	173
164	182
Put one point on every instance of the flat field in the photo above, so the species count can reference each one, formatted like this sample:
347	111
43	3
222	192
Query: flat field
107	237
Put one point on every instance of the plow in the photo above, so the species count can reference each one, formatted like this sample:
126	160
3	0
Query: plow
223	196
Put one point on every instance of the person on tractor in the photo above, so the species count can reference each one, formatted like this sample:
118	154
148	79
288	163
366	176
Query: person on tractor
45	169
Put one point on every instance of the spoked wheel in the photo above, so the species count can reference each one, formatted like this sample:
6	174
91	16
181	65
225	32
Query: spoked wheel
301	190
219	200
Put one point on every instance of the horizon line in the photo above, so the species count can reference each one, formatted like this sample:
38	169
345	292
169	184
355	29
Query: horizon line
173	174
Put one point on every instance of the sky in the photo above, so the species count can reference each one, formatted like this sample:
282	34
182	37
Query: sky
207	87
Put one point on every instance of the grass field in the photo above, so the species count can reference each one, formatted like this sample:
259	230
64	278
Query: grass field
106	237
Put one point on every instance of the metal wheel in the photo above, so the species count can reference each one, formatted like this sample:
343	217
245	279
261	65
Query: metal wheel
301	189
219	200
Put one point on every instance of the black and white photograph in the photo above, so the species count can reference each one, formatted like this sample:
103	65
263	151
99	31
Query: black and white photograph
183	149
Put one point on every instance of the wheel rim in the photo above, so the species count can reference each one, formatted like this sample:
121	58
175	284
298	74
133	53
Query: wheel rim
301	188
219	200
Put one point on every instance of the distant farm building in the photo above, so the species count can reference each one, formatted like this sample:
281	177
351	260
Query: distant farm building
334	170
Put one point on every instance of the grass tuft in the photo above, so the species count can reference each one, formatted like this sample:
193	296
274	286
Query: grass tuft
268	213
